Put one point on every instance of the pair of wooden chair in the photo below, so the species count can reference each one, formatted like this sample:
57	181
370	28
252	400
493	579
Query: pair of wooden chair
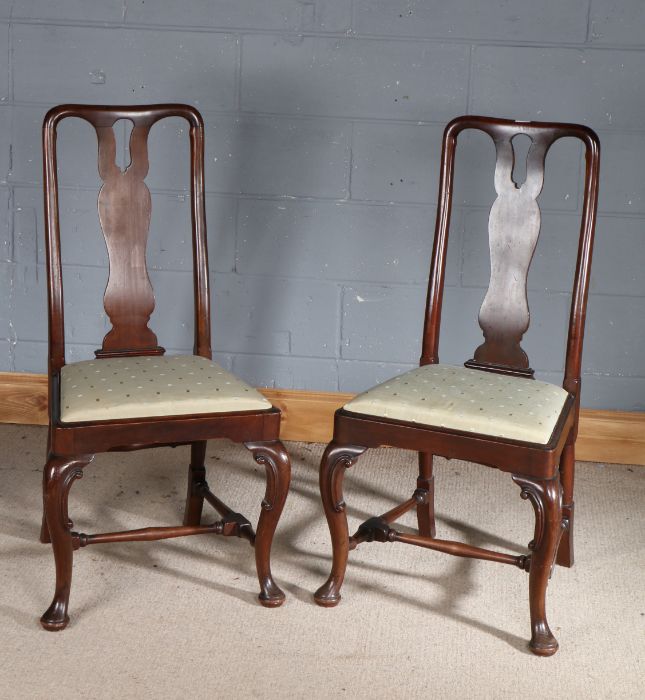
491	411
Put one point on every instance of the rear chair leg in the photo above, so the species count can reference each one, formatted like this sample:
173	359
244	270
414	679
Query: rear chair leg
196	478
546	497
44	530
425	511
567	473
273	456
335	461
58	476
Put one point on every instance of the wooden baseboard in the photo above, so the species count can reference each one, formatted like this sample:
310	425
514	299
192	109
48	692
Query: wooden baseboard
23	398
616	437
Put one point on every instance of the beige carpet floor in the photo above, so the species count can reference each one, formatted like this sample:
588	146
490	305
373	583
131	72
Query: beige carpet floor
179	618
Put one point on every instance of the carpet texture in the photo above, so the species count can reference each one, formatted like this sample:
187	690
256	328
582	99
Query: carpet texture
180	618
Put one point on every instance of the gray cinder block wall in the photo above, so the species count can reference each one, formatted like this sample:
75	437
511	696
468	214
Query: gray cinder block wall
324	121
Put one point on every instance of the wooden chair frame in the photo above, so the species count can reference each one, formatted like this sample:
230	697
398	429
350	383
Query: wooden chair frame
129	301
545	473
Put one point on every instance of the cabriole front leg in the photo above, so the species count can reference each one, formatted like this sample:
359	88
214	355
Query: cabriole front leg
336	459
546	497
273	456
59	474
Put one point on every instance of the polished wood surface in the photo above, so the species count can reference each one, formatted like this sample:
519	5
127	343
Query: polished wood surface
514	226
545	473
124	211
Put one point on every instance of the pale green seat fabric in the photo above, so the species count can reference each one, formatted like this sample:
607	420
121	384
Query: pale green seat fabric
142	387
468	400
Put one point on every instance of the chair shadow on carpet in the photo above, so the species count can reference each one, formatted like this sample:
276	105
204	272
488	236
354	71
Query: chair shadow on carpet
455	584
235	555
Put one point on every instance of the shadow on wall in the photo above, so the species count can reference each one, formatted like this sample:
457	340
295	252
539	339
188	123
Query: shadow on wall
265	313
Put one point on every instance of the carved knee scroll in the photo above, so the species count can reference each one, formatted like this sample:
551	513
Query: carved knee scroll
545	496
274	458
58	477
335	461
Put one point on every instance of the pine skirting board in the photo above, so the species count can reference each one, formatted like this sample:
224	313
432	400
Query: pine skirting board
616	437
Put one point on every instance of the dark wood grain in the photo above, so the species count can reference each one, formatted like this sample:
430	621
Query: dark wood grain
278	473
513	227
336	459
544	472
546	497
58	477
124	210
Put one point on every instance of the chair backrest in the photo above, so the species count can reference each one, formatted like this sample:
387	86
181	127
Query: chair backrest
514	226
124	209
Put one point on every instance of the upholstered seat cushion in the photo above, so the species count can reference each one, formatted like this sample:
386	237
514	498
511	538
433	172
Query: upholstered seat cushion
141	387
468	400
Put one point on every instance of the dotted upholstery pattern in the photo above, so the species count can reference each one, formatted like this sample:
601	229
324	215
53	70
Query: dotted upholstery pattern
468	400
142	387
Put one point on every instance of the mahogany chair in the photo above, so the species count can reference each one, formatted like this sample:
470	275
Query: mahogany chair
490	411
132	396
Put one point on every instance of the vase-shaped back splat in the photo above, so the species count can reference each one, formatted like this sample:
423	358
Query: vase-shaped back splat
513	229
124	211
